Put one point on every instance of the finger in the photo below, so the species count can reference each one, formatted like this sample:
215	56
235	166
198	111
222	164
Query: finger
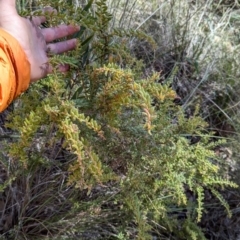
60	68
63	68
61	47
8	3
51	34
49	10
47	68
8	7
38	20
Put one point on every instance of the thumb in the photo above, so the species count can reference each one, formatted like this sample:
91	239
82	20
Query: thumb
7	7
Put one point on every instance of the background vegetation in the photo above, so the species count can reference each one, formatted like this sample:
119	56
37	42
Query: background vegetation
140	139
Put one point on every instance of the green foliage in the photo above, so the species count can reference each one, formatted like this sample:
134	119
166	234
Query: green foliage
116	130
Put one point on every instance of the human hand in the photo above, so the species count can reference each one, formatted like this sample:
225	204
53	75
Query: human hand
36	42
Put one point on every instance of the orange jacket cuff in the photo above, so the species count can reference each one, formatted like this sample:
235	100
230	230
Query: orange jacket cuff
14	69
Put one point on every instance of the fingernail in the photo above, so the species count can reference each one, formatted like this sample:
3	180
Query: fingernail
77	28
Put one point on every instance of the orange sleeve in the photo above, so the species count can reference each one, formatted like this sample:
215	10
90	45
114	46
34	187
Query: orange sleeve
14	69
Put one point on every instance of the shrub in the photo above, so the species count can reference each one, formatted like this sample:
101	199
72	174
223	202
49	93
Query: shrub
103	152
